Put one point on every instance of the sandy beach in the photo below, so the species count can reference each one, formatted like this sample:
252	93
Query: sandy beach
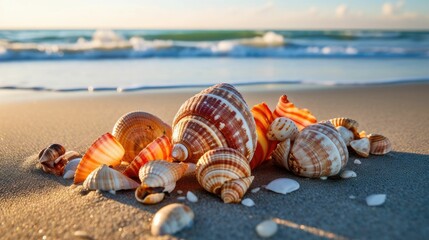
36	205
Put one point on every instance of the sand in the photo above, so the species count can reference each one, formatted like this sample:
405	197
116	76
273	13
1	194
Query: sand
36	205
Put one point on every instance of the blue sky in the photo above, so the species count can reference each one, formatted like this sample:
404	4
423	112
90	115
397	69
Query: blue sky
214	14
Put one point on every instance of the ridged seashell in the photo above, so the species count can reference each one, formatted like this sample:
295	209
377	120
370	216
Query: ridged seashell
282	128
361	146
223	170
346	134
152	198
282	153
171	219
215	117
263	118
105	150
348	123
158	176
159	149
301	116
107	179
70	168
318	151
380	144
48	155
135	130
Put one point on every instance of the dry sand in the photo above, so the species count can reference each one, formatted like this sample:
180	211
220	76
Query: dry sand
36	205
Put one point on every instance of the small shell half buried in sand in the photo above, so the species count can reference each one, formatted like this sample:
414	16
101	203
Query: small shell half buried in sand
248	202
171	219
348	174
266	228
375	200
283	185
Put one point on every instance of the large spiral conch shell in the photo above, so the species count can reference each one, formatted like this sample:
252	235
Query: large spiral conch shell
108	179
263	118
318	151
135	130
301	116
105	150
225	172
158	176
216	117
160	148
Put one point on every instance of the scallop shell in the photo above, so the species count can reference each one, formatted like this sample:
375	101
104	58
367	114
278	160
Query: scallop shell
301	116
222	171
348	123
282	152
346	134
282	128
107	179
380	144
215	117
48	155
361	146
105	150
135	130
263	118
318	151
171	219
160	148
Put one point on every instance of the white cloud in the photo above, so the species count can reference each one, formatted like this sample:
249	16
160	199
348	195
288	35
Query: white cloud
341	10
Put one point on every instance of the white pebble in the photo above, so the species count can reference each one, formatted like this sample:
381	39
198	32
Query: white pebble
283	185
179	191
357	161
323	178
191	197
255	190
181	198
248	202
375	199
348	174
266	228
352	197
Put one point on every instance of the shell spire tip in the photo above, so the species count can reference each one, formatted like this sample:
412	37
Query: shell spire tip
180	152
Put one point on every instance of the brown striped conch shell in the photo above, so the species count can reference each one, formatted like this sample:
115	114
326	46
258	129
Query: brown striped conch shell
158	176
48	155
105	150
224	172
263	118
282	128
171	219
346	134
160	148
135	130
301	116
380	144
318	151
282	152
108	179
216	117
348	123
361	146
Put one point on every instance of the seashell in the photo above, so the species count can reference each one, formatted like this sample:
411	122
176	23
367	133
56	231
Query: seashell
160	148
361	146
225	172
105	150
282	152
48	155
191	197
266	228
348	123
346	134
319	150
248	202
107	179
255	190
67	157
282	128
379	144
171	219
263	118
357	161
301	116
348	174
152	198
375	200
135	130
216	117
283	185
158	176
70	168
362	134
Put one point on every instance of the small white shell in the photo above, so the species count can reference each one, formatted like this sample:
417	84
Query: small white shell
361	146
255	190
171	219
283	185
191	197
266	228
348	174
248	202
357	161
375	199
282	128
70	168
346	134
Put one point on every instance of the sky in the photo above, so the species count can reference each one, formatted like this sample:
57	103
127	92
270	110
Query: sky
214	14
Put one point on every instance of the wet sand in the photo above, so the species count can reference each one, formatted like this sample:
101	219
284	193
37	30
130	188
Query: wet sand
35	205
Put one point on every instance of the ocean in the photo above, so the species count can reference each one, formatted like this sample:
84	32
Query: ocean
129	60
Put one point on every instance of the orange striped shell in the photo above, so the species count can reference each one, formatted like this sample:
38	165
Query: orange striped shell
263	118
159	149
380	144
301	116
105	150
348	123
216	117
